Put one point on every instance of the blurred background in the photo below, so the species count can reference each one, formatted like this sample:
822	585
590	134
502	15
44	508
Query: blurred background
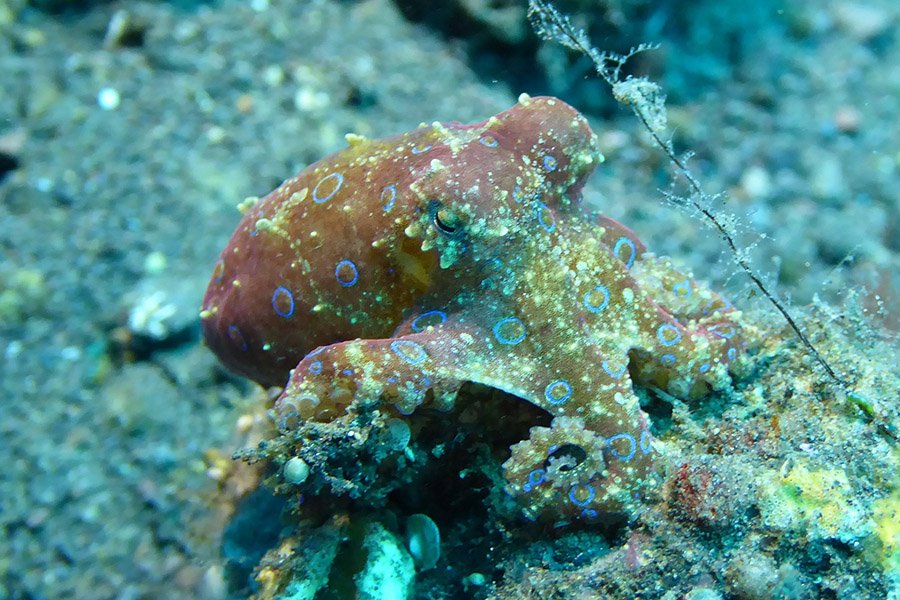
130	130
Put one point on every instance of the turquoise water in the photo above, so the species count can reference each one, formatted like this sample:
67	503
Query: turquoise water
130	131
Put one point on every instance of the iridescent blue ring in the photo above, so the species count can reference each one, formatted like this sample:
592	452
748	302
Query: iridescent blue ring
285	314
418	328
220	269
709	309
320	199
661	334
535	478
624	241
587	500
551	398
683	289
389	202
337	273
614	374
541	210
507	340
646	442
595	308
235	335
410	351
632	446
727	334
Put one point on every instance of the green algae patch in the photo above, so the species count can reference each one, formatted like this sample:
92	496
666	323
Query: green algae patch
20	292
886	515
819	501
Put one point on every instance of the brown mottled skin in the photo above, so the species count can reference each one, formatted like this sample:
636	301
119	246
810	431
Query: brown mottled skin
400	268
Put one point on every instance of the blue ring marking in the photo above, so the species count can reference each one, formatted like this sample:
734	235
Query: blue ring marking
347	372
551	398
667	359
315	367
725	335
660	334
614	374
708	309
409	351
535	478
488	140
595	308
550	163
421	149
285	314
624	241
418	328
732	353
540	210
319	199
631	443
646	442
507	340
389	203
589	513
318	350
235	335
517	194
704	367
683	289
337	273
587	500
220	268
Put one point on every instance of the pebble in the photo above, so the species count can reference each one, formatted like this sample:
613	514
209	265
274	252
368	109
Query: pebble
212	585
216	134
296	471
756	182
13	349
108	98
273	75
244	423
847	119
155	263
309	100
862	21
827	177
244	103
163	305
423	540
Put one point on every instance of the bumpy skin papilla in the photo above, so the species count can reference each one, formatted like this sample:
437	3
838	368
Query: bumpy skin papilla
400	268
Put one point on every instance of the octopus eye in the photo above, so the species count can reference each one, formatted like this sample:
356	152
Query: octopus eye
446	221
569	457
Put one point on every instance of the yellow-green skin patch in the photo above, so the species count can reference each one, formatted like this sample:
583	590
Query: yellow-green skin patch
403	267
